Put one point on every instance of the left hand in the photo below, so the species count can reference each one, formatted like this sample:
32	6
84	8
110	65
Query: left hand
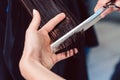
37	42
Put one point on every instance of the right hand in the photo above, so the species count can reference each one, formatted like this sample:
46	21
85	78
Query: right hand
101	3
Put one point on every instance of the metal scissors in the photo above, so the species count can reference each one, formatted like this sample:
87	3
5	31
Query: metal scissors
84	25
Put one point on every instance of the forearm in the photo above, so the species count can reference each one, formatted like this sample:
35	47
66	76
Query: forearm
42	73
34	70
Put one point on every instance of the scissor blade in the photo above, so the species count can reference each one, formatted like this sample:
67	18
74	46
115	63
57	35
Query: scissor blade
83	26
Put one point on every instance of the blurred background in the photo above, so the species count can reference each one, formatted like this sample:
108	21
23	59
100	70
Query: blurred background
103	59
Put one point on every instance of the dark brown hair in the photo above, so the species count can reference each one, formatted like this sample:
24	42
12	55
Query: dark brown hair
48	9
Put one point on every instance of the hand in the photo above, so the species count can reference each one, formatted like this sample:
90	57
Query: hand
37	53
101	3
37	50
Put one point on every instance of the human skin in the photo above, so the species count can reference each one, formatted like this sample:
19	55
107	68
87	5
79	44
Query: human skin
37	58
101	3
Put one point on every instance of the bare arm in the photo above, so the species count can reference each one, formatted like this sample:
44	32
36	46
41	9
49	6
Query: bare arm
34	70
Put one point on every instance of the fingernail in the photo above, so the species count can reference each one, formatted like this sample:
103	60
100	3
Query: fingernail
34	11
63	14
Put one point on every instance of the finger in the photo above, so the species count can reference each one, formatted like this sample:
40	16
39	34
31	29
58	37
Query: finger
108	11
117	3
100	4
70	53
53	22
35	21
76	50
